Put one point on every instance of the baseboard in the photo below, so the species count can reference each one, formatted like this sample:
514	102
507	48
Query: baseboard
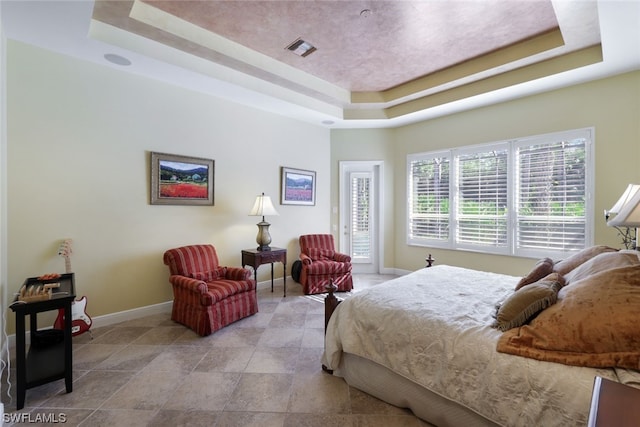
390	271
276	282
113	318
135	313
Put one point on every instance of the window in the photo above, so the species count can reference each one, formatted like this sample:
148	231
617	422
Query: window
526	197
481	202
429	198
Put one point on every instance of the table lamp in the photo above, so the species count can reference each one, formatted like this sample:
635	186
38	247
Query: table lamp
627	214
262	207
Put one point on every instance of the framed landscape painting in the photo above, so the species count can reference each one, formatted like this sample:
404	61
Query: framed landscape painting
181	180
298	187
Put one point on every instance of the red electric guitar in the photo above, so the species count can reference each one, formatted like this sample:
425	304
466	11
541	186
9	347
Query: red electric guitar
80	320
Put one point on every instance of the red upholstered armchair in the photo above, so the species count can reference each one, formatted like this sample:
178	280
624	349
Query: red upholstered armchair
207	296
321	263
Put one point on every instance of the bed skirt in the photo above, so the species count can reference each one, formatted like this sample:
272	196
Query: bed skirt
381	382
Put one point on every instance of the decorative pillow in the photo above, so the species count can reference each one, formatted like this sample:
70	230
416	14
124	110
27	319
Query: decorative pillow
525	303
635	252
222	272
566	265
594	323
540	270
209	276
604	261
321	254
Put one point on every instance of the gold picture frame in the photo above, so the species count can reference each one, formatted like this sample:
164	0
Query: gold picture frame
181	180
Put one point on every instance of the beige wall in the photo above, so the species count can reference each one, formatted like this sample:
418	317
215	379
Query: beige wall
610	105
79	138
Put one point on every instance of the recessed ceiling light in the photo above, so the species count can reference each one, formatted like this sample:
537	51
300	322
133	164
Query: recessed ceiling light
365	13
328	122
117	59
301	47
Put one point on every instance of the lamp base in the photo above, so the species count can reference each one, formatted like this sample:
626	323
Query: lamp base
264	238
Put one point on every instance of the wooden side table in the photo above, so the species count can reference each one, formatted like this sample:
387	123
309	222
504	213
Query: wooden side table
256	258
48	358
614	404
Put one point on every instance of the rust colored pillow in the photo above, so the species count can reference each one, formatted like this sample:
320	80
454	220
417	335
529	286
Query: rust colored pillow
594	323
568	264
540	270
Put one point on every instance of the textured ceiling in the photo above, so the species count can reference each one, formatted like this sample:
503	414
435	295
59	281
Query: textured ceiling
370	45
374	59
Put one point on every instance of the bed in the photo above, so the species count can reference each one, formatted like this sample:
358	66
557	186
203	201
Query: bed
443	342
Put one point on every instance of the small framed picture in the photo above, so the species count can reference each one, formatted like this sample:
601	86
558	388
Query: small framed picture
298	187
181	180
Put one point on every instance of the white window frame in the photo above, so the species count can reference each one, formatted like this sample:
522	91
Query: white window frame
443	243
511	247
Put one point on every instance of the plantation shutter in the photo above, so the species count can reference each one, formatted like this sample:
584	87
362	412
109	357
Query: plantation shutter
551	195
481	208
360	217
429	199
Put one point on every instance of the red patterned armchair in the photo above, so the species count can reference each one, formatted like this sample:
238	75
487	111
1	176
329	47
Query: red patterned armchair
321	264
206	296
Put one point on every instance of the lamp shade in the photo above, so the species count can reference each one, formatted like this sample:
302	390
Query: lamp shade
627	208
263	206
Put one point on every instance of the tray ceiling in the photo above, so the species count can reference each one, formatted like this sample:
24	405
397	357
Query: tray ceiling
377	61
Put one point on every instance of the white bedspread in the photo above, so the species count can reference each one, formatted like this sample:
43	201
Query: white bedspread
433	327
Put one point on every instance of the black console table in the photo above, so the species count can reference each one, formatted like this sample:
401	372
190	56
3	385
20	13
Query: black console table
50	351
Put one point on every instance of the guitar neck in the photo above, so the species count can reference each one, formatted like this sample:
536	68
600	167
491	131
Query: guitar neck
65	252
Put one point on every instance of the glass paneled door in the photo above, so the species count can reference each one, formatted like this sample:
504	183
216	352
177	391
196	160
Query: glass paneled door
360	217
360	214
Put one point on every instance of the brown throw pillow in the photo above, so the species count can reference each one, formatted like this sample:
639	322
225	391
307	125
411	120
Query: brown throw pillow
525	303
594	323
542	268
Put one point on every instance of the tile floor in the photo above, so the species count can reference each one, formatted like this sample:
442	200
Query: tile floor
262	371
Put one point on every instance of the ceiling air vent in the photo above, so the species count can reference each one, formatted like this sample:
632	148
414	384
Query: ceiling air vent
301	47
